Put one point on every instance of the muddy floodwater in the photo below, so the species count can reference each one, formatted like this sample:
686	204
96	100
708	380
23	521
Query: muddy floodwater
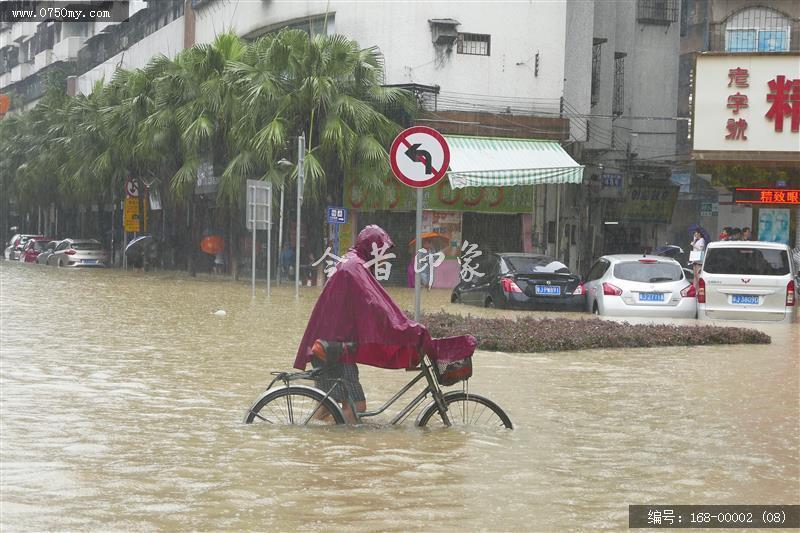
123	396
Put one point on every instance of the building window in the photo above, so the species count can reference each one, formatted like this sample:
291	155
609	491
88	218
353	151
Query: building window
619	83
757	30
657	11
596	49
475	44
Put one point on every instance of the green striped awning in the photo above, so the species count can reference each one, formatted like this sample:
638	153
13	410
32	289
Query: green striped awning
495	162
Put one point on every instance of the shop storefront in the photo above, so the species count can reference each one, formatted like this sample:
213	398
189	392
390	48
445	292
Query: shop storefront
746	135
487	200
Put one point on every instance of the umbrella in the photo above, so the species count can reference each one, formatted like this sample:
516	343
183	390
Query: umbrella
212	244
439	241
137	245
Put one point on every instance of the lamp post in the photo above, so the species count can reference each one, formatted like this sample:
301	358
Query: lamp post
301	153
283	166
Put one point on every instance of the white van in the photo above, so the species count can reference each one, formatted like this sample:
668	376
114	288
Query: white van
748	280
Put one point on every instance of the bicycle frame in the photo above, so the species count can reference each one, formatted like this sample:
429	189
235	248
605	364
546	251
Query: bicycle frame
425	371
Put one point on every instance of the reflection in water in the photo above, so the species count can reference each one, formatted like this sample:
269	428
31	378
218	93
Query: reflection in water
123	395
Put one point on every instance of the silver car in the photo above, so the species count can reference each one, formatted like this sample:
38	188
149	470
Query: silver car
49	250
79	252
748	280
639	286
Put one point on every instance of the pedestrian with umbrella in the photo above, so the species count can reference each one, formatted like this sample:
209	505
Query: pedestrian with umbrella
699	241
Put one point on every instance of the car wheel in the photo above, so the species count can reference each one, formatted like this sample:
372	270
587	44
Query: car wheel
595	309
489	303
60	263
455	298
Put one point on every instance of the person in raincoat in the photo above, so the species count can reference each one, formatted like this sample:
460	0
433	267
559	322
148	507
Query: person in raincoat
353	307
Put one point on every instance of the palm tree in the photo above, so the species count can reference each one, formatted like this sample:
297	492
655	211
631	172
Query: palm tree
325	87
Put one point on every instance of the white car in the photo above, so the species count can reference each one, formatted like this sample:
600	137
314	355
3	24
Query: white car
79	252
639	286
748	280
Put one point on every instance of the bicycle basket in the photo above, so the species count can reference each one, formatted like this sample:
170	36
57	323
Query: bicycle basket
451	372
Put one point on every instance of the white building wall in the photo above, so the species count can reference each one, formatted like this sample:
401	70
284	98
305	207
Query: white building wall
578	64
167	41
402	32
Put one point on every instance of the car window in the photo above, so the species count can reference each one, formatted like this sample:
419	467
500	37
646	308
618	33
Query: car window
39	245
648	272
87	246
536	265
597	270
492	266
747	261
62	246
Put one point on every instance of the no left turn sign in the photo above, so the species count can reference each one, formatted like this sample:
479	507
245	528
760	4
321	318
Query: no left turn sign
131	189
420	156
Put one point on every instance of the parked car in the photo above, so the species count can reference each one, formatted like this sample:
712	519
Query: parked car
50	247
79	252
31	250
517	280
636	285
748	280
15	244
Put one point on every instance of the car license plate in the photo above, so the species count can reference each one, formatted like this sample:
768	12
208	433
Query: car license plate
744	299
90	261
651	296
548	290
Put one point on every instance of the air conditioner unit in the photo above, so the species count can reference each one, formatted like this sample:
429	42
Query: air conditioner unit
443	31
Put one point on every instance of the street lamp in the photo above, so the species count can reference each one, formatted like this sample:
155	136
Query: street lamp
301	153
284	166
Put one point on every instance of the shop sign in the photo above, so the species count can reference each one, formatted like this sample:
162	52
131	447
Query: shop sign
649	203
440	197
709	209
768	196
745	102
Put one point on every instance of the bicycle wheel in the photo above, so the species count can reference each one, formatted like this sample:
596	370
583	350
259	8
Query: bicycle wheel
469	410
295	405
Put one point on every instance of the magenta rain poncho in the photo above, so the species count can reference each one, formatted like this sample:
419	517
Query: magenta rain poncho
354	307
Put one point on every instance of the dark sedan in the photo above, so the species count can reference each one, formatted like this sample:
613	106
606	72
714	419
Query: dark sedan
525	281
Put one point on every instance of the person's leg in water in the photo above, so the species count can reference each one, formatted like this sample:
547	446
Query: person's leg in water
349	377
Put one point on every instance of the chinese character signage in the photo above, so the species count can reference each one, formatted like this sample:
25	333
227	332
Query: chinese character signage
747	103
768	196
337	215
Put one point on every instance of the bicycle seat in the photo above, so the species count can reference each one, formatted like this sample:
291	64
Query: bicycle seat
330	352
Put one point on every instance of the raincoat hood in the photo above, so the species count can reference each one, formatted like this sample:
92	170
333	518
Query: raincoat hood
368	236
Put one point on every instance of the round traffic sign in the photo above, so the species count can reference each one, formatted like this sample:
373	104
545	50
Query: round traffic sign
420	156
131	188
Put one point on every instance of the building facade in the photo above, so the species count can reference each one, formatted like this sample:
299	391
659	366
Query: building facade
734	31
598	76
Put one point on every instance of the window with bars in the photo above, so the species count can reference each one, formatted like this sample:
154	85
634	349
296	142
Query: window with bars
596	49
657	11
757	29
476	44
619	83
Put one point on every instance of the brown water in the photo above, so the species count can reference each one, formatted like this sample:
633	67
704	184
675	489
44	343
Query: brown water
123	398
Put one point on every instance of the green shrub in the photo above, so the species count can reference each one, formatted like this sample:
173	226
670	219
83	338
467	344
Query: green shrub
558	334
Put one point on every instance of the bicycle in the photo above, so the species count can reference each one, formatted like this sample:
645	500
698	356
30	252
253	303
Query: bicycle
294	404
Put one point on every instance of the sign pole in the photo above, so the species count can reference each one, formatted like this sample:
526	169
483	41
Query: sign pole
418	242
419	157
269	240
301	155
280	238
253	226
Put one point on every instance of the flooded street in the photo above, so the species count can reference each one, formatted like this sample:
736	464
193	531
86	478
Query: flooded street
123	397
